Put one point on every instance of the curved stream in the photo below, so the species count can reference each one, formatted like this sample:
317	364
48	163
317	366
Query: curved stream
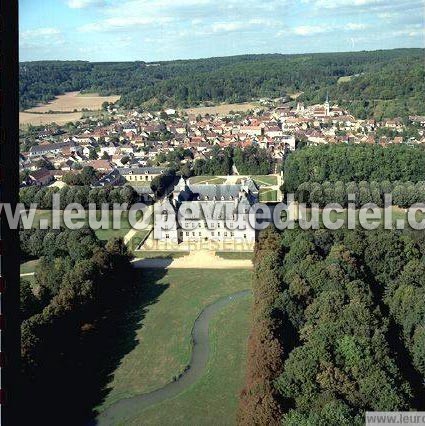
199	358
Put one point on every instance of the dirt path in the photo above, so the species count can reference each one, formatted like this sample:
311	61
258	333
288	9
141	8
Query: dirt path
119	411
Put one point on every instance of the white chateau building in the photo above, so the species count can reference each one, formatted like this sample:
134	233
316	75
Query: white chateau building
207	212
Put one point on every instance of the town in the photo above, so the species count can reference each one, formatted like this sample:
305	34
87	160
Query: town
135	147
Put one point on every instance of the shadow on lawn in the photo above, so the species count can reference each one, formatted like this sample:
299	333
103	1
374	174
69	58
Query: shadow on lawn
79	382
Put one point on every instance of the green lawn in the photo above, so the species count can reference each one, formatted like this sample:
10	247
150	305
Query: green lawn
29	267
236	255
265	180
267	195
206	179
103	234
164	337
213	399
397	214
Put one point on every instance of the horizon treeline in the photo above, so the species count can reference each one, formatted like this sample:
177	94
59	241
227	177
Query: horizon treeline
382	84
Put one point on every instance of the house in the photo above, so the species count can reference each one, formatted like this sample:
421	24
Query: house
100	165
41	177
54	148
140	174
111	178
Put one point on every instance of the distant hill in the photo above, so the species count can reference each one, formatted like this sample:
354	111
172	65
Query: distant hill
384	83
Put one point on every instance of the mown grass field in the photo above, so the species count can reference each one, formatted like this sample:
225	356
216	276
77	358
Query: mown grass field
164	337
213	399
398	215
265	180
197	180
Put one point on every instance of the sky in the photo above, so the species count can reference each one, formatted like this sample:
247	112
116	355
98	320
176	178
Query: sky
152	30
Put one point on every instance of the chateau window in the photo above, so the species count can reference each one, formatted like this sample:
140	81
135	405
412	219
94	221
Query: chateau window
200	234
212	234
187	234
232	234
167	236
225	234
218	233
193	233
244	235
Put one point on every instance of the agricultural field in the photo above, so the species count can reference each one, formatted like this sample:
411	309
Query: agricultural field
38	119
175	298
69	102
64	109
222	109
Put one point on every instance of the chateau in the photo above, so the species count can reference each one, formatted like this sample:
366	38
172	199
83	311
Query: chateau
208	212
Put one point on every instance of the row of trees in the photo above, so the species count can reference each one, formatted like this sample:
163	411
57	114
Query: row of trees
404	194
259	400
350	314
43	196
353	163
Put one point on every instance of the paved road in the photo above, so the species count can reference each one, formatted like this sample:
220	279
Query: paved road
123	409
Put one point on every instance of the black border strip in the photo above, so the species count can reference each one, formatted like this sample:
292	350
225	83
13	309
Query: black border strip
9	152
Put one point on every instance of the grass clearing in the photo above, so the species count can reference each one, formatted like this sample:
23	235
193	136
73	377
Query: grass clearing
213	399
199	180
164	338
28	267
345	79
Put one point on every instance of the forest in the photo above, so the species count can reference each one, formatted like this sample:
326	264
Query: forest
384	83
80	283
337	327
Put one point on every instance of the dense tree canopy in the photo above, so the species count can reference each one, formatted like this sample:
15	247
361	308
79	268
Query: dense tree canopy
347	309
